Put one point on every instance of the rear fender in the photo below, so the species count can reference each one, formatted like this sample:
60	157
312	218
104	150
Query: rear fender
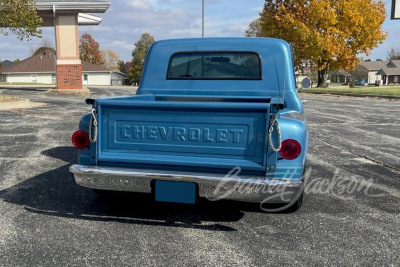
292	126
87	155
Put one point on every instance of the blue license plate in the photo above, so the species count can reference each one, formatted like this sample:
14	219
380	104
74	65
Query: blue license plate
180	192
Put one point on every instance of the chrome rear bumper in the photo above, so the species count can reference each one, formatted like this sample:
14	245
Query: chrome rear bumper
212	186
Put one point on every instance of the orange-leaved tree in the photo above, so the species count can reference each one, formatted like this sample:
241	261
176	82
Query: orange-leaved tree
89	50
325	34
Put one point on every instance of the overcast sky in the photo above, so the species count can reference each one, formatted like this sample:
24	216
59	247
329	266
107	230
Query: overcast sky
126	20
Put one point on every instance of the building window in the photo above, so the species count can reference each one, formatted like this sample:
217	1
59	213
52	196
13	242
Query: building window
85	79
34	78
396	79
214	66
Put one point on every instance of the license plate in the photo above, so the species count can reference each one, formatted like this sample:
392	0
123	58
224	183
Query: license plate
179	192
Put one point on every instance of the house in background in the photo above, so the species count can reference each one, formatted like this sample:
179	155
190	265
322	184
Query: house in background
95	75
390	72
36	69
41	69
119	78
368	70
372	72
340	76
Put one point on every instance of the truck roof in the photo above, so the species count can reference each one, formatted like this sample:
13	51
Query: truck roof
277	75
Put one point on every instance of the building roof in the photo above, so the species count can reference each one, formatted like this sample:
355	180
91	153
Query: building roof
341	72
395	62
47	9
374	65
120	75
45	63
89	67
391	68
389	71
72	6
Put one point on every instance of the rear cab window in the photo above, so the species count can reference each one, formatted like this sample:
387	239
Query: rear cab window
214	66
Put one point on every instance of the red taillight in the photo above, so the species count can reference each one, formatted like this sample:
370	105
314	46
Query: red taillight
290	149
80	139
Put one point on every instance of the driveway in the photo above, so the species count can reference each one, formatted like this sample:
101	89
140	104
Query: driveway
350	215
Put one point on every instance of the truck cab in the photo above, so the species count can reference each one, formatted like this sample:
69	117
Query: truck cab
216	118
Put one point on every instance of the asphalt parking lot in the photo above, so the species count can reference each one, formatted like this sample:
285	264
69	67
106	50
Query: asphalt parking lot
47	220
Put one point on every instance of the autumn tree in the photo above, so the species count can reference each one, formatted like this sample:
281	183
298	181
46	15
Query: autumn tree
89	50
325	34
19	17
394	54
111	59
139	55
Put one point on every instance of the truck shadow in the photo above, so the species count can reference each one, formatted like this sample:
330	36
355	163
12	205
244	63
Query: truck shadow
55	193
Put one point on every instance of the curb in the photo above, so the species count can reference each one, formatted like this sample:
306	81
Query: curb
353	95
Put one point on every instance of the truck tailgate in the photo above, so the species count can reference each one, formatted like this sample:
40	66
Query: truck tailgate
183	133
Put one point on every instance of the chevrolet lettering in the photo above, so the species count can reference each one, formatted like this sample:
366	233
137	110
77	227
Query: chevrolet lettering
180	134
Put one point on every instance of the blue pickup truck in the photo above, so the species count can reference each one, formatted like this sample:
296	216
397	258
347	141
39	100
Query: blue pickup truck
216	118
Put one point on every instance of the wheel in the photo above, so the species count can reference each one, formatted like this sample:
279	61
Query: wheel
299	202
283	207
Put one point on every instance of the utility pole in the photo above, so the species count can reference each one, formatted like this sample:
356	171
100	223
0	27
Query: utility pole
202	18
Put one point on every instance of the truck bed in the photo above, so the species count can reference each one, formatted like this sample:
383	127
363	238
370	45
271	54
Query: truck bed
212	132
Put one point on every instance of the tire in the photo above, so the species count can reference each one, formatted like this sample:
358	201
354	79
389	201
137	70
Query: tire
281	208
299	202
296	206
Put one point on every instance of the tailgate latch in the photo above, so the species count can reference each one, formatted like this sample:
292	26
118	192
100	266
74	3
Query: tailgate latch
274	121
93	121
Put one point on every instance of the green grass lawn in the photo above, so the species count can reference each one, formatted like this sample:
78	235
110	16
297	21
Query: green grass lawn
369	90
